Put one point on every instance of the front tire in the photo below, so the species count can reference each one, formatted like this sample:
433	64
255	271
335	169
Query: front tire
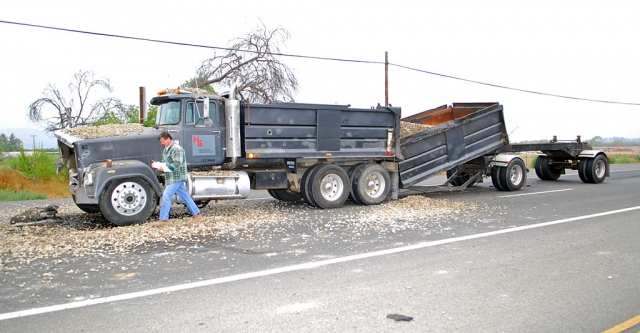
128	201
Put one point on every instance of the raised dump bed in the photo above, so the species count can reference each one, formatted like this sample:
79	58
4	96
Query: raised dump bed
459	134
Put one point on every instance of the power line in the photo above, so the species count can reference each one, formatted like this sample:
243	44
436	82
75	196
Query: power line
184	44
510	88
318	58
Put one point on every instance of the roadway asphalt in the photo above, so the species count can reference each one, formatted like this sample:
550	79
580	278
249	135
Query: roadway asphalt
554	257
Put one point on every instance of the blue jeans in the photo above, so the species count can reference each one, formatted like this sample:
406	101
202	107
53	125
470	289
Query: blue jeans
168	193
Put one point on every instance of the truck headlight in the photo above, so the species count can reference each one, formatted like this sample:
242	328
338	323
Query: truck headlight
88	179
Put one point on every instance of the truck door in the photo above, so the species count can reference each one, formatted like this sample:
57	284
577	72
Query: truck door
203	139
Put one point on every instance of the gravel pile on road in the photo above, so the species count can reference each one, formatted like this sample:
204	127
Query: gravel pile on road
101	131
407	128
82	234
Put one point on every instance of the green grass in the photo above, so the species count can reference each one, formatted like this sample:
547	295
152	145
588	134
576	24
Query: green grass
621	160
532	164
9	195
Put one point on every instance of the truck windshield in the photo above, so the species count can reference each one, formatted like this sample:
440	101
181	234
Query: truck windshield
168	113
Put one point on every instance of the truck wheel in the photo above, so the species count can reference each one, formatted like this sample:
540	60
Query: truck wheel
545	171
87	208
329	186
202	204
128	201
305	185
350	173
495	178
285	195
371	184
538	167
460	178
582	171
273	194
597	169
513	176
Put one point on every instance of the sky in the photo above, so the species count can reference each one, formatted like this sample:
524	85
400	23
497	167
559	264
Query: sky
579	49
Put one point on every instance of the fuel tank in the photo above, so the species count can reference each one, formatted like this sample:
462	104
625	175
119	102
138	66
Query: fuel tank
218	185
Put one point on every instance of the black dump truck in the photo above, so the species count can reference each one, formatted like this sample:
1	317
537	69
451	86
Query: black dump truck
322	154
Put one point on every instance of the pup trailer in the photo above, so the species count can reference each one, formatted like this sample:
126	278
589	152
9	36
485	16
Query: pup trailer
322	154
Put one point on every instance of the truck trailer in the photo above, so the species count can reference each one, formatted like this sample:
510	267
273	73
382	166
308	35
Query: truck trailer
320	153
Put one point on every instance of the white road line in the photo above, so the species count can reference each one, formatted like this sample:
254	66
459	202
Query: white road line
146	293
534	193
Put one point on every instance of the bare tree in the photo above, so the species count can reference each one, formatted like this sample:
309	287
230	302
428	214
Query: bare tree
57	113
254	65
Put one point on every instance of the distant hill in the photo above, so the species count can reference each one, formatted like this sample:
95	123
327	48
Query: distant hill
42	139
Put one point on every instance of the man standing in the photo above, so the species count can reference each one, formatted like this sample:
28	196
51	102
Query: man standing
175	173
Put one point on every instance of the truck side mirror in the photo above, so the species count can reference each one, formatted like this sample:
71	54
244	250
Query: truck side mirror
205	107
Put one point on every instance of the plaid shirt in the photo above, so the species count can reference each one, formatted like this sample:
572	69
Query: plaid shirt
176	161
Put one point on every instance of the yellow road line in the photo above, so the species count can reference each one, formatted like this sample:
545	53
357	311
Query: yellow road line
624	326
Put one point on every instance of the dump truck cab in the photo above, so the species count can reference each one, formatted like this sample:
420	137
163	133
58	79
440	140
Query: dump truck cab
196	122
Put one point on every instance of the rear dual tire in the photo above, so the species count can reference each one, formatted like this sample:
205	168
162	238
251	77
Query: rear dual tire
285	195
593	170
329	186
510	177
546	171
371	184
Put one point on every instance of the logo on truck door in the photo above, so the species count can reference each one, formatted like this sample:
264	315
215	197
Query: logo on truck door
203	145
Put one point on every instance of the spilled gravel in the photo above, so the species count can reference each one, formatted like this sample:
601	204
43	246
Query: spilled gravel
80	234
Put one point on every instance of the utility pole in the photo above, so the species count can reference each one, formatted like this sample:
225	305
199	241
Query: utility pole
386	78
143	105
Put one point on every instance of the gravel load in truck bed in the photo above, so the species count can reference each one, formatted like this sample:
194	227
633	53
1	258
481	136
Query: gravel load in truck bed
407	128
102	131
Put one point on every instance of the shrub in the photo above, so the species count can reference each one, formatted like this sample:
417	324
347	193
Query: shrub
44	164
532	164
620	159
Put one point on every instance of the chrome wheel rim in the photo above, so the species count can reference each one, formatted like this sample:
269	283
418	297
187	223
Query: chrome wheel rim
128	198
374	185
331	187
600	168
516	175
